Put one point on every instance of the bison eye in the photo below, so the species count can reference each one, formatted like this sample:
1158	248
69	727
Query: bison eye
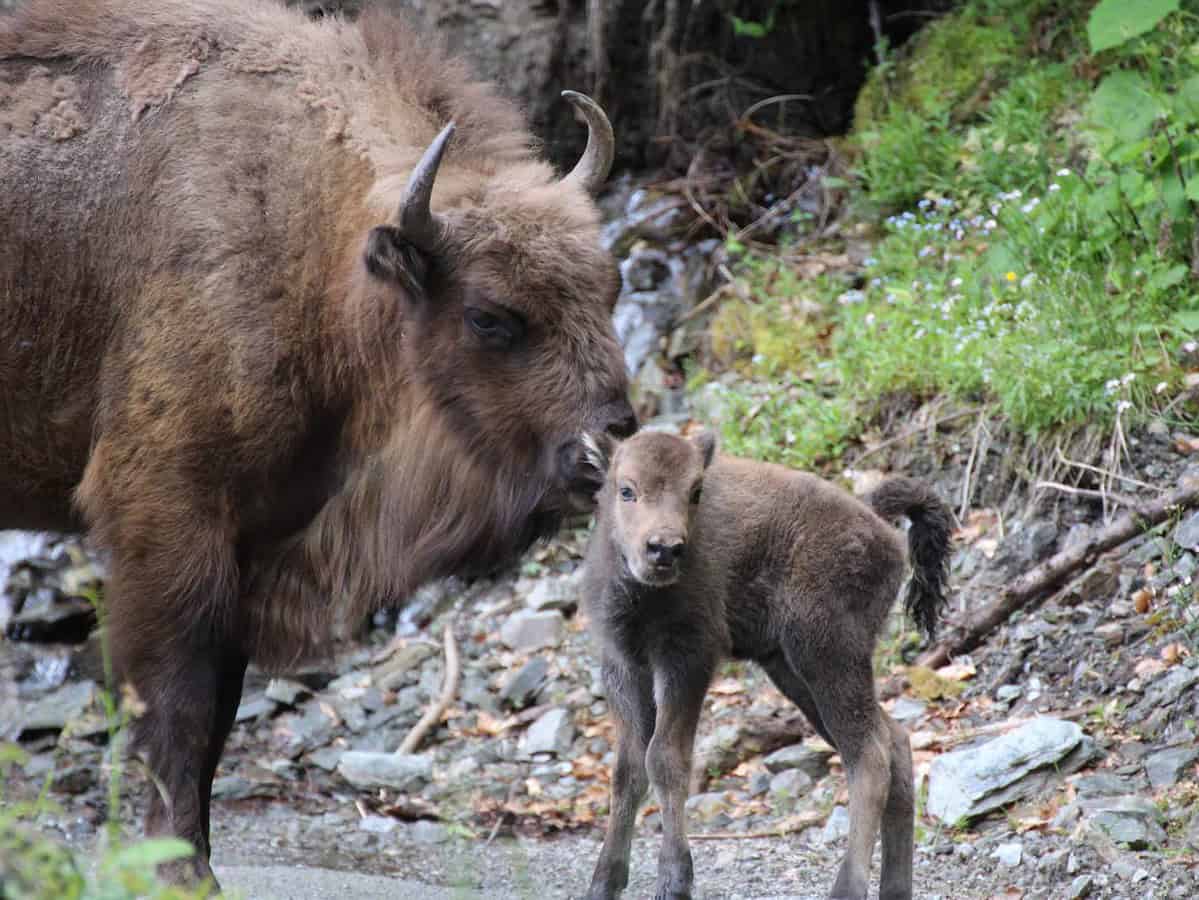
627	494
494	329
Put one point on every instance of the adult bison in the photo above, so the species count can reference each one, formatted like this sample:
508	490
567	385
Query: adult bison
293	320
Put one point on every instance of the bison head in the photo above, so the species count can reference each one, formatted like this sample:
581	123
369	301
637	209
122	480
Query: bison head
505	299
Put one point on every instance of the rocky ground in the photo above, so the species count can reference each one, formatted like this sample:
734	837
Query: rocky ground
1059	760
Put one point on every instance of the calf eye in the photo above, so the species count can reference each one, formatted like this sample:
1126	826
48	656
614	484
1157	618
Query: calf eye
626	494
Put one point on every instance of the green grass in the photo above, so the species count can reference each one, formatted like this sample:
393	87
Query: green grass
1037	204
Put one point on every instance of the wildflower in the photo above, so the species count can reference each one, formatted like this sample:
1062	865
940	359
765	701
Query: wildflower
869	261
957	282
1160	387
1030	205
1054	188
870	319
990	224
1111	386
1128	379
1028	279
926	250
995	207
875	282
1011	276
1190	346
959	234
1064	173
1123	406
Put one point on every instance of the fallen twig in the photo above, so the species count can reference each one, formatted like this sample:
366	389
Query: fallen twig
914	432
1037	583
449	689
1121	499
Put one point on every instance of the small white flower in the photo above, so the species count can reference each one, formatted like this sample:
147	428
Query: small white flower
925	251
1112	386
1054	188
990	224
1028	279
1190	346
1123	405
1064	173
1160	387
1129	378
870	319
956	283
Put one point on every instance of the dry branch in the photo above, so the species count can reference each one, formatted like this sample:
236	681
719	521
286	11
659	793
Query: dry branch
1037	583
449	689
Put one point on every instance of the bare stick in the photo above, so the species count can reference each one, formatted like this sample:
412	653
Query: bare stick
449	688
1100	471
1087	492
968	477
1037	583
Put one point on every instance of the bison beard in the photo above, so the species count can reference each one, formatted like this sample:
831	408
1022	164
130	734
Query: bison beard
280	357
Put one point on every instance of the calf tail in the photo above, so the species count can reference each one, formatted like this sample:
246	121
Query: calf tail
928	544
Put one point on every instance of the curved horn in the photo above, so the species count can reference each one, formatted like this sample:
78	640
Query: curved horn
417	222
593	166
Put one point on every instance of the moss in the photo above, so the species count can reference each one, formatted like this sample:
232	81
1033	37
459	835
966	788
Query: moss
928	685
938	73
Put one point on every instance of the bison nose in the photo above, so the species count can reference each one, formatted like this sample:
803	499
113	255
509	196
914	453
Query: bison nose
664	553
619	419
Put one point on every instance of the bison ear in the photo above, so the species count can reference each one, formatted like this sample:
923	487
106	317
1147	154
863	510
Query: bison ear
389	257
706	441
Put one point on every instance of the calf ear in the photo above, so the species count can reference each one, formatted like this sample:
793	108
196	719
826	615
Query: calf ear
706	441
389	257
597	450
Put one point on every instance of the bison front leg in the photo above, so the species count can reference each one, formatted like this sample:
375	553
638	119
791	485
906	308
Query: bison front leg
679	688
630	696
189	686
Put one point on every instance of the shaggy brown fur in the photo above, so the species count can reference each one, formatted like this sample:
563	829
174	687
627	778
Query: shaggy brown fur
695	560
218	352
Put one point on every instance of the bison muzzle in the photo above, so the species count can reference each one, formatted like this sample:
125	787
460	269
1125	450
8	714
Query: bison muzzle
292	320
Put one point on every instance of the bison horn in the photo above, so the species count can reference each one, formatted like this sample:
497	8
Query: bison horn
592	169
417	222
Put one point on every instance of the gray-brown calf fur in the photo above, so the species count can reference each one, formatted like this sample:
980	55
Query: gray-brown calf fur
775	566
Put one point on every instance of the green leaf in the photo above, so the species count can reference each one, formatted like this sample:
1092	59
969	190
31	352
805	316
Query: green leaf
832	181
1188	319
1168	278
748	28
1113	22
1124	106
151	852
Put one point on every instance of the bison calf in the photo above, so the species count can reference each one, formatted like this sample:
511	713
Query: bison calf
695	560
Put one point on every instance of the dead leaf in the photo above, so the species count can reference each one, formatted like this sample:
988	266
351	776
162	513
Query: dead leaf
1141	600
1186	444
1174	653
1149	667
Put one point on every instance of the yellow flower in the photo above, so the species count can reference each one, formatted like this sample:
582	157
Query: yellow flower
1011	276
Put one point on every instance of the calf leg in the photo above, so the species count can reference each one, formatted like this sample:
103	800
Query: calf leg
679	689
842	686
898	818
631	699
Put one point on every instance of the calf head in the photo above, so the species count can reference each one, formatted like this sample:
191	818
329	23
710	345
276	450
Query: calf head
652	488
505	297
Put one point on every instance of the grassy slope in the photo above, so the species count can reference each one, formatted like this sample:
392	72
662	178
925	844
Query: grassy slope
1035	201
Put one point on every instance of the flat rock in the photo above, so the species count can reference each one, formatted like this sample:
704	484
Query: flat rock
254	707
1079	888
1186	535
405	773
1166	768
1009	854
789	785
285	691
555	593
1130	822
53	711
522	686
976	780
706	807
528	630
907	709
811	760
837	825
553	732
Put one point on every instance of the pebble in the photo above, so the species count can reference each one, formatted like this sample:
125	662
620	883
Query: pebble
837	825
1080	887
1009	854
528	630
